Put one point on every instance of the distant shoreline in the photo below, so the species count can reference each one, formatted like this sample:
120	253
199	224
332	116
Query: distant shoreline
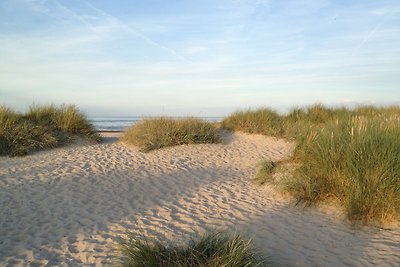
116	131
118	124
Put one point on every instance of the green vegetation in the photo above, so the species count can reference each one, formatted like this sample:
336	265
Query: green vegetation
41	128
150	134
213	249
261	121
350	156
267	169
67	119
356	161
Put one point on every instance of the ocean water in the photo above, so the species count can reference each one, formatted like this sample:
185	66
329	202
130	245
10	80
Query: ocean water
117	124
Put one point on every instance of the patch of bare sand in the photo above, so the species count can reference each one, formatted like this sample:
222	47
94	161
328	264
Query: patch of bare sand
69	206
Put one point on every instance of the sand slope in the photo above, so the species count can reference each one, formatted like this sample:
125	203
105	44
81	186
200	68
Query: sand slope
68	206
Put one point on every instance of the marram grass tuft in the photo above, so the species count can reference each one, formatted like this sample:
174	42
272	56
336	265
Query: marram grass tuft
151	134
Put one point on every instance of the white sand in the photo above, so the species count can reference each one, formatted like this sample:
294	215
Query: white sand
68	206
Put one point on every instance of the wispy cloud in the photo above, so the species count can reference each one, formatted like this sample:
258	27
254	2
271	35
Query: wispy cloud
387	16
138	33
99	24
198	53
196	49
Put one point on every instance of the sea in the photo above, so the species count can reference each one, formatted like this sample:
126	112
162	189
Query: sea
118	124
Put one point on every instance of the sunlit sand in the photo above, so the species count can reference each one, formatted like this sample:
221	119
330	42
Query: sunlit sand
70	205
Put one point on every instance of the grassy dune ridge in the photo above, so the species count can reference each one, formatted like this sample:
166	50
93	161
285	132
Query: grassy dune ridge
41	127
351	156
155	133
260	121
357	160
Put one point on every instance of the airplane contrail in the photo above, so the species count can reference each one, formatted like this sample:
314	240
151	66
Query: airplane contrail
136	32
375	29
76	16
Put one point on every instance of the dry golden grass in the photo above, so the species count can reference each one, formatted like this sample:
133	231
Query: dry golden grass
150	134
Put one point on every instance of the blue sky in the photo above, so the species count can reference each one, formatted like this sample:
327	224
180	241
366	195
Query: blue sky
198	57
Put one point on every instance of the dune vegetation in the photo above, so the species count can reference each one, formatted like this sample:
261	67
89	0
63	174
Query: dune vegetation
261	121
41	127
156	133
211	249
349	156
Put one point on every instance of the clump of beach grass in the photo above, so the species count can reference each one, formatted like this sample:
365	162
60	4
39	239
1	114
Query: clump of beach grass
156	133
349	156
354	160
67	119
299	121
265	171
260	121
41	128
211	249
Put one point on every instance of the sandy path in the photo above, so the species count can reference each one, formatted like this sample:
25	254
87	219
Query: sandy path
68	206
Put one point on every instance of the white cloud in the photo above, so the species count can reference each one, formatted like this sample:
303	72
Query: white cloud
196	49
242	54
381	11
131	29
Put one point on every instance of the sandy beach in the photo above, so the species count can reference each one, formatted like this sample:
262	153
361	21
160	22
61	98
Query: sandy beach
69	206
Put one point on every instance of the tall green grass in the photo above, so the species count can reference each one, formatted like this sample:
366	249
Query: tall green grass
150	134
8	119
351	156
213	249
41	128
299	121
66	118
356	161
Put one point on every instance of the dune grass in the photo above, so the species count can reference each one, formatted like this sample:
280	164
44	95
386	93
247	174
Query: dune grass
41	128
265	172
356	161
261	121
67	119
211	249
151	134
351	156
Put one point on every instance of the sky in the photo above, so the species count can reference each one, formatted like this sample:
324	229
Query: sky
198	57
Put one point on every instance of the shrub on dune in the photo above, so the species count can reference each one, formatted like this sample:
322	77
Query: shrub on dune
150	134
212	249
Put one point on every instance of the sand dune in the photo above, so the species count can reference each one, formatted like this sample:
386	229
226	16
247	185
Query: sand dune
69	206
